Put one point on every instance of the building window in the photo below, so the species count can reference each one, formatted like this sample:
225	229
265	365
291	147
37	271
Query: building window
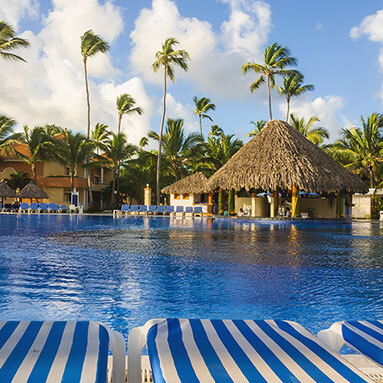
185	196
177	196
67	197
96	179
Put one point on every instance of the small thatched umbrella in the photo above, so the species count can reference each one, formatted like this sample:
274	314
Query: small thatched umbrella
32	191
281	157
6	191
194	184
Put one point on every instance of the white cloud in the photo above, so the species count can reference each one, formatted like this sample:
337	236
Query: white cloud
49	88
372	26
13	11
176	109
325	108
216	58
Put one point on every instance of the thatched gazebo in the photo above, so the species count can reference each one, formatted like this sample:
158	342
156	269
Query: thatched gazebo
32	191
281	158
193	186
6	192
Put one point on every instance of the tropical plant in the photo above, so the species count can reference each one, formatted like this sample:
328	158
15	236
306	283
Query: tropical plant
7	138
18	180
40	146
177	148
143	142
8	42
361	149
202	106
126	105
91	44
116	152
72	150
100	134
167	58
258	126
293	87
316	135
276	59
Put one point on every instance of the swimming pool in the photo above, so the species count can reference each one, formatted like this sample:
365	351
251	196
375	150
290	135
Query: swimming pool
126	271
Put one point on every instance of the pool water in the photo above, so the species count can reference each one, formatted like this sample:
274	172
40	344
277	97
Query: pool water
125	271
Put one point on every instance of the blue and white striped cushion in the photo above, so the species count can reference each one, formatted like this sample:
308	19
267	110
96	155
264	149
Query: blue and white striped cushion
183	350
52	352
365	337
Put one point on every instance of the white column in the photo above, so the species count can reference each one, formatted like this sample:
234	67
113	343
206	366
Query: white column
102	176
272	207
253	205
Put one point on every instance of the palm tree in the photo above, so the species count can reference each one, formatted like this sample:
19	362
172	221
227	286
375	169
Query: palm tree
91	44
143	142
316	135
40	145
178	149
258	126
116	152
361	149
7	138
8	42
202	106
72	150
292	87
100	134
276	59
167	57
126	105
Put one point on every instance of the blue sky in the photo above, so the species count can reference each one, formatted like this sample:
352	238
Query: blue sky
338	50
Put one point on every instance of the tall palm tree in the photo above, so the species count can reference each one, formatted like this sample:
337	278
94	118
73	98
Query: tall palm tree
100	134
8	42
361	149
316	135
72	150
7	138
178	149
126	105
202	106
167	58
293	87
40	145
91	44
116	152
258	126
276	59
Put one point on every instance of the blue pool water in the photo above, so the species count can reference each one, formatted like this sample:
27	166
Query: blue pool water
126	271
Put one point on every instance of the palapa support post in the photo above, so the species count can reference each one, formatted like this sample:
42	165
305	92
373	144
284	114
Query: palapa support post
221	202
231	202
339	204
147	195
210	204
294	201
253	204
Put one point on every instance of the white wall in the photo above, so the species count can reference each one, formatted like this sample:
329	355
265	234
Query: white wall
361	206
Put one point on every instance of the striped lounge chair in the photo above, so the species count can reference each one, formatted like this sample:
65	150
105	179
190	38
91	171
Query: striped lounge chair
170	210
143	209
75	352
152	209
161	209
365	337
198	211
24	207
194	350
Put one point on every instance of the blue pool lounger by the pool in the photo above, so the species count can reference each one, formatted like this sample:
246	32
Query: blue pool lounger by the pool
365	337
75	352
194	350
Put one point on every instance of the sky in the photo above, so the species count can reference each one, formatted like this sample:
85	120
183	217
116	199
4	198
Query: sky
338	44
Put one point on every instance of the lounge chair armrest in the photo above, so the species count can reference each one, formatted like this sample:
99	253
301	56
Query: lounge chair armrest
136	342
117	346
332	337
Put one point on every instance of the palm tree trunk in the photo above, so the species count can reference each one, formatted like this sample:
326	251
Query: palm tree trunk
33	168
288	109
87	98
119	123
200	124
72	180
160	141
113	186
118	170
269	93
371	178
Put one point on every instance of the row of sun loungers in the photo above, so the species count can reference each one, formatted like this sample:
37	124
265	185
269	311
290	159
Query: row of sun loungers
33	207
160	209
188	350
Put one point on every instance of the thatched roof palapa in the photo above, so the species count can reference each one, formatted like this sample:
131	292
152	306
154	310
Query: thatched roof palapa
6	191
32	191
280	156
195	183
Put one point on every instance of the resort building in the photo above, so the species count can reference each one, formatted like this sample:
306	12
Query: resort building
54	179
